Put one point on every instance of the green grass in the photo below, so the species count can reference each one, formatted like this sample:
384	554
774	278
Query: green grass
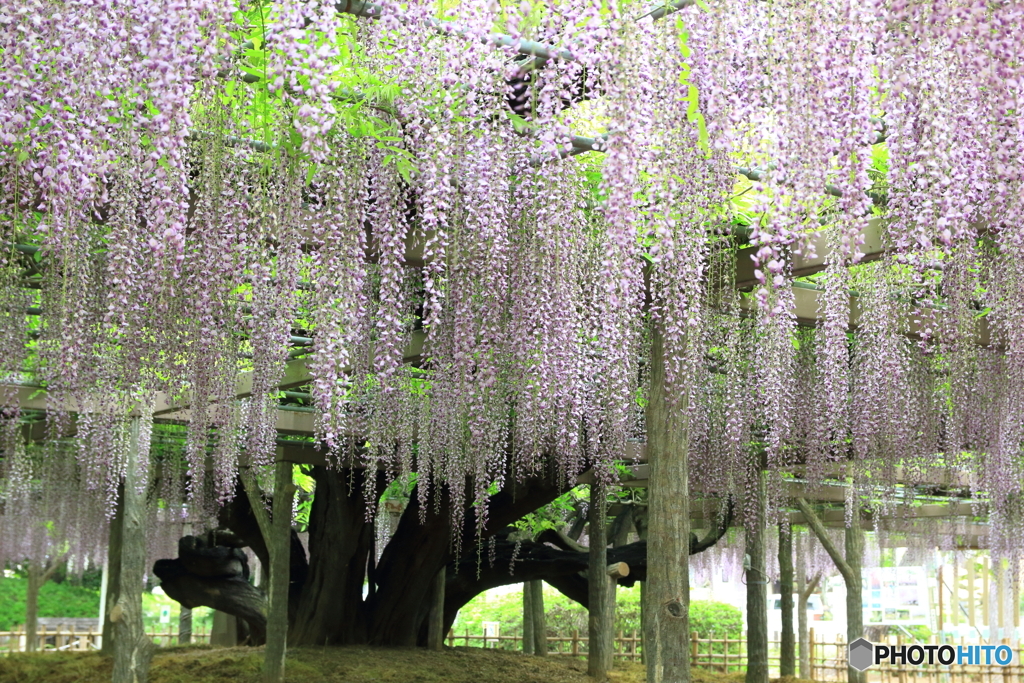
65	600
331	665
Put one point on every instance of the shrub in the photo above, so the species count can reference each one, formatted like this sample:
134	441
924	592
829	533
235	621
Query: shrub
55	600
710	619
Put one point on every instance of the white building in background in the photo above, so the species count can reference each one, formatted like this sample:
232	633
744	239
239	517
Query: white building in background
892	596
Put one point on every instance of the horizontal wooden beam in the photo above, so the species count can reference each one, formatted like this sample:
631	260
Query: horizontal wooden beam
177	410
802	265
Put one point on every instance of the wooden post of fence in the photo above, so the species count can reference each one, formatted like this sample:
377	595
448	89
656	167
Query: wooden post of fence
954	600
693	649
451	637
1015	600
963	667
1006	641
725	654
810	651
575	642
942	605
902	675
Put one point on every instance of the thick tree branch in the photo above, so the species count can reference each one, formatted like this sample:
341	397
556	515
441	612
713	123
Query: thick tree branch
229	594
818	528
811	586
557	538
560	566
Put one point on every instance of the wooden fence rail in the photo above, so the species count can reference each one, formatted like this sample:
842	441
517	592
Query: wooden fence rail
729	655
68	638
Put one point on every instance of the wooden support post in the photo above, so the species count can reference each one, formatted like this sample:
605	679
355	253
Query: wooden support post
279	546
1001	597
787	646
757	586
600	623
970	592
185	613
849	565
540	622
132	648
184	626
435	623
667	593
942	613
618	570
810	653
954	600
112	574
527	619
984	596
1015	602
854	538
805	588
33	584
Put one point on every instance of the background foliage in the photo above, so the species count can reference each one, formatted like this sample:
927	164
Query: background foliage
708	619
55	600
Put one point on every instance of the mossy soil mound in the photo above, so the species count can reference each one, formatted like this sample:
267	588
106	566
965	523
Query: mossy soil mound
328	665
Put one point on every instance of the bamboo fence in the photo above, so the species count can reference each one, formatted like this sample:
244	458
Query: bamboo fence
63	638
729	655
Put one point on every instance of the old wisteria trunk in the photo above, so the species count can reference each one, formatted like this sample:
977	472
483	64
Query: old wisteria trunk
667	591
435	620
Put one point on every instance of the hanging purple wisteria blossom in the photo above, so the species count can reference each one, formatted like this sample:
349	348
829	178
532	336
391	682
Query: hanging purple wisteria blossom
203	202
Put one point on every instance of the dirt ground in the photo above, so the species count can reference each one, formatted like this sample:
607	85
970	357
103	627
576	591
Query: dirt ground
198	664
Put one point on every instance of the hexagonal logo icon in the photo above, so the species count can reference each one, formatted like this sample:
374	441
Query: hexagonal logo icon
862	654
